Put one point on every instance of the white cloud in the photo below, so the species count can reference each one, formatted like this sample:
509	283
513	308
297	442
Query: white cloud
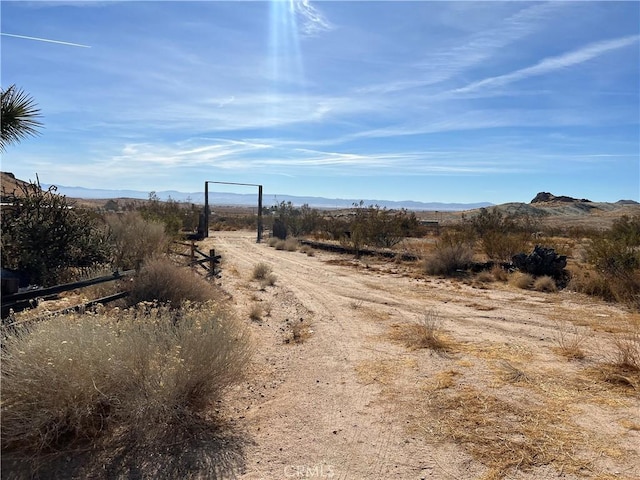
552	64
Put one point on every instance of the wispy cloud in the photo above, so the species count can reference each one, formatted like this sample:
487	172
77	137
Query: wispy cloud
551	64
440	65
47	40
313	21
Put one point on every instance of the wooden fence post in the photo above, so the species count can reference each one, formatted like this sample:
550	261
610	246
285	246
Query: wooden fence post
212	260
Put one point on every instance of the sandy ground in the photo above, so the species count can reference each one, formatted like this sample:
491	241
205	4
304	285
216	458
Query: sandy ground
347	400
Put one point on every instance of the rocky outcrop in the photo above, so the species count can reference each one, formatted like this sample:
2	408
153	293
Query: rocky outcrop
544	197
542	261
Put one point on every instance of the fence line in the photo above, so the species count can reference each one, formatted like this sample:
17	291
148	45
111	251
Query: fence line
22	300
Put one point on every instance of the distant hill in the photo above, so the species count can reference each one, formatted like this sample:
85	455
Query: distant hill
249	199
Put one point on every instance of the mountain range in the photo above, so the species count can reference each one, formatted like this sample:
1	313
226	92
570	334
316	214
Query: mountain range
219	198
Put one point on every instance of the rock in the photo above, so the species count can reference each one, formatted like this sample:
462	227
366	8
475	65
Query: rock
542	261
549	197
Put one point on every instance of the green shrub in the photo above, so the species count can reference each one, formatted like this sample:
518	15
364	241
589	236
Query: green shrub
163	281
139	376
43	235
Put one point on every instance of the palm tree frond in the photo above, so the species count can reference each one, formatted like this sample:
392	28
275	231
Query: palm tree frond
19	116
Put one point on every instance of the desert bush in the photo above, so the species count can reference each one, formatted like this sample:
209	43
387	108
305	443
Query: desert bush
173	215
268	281
272	241
42	235
141	375
261	271
162	280
451	253
545	284
571	340
501	236
135	239
308	250
499	273
291	244
627	350
616	256
281	245
255	312
425	334
521	280
485	277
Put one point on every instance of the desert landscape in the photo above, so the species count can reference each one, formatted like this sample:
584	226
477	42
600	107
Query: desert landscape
367	364
342	387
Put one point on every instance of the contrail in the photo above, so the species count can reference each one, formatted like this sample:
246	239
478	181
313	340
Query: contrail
45	40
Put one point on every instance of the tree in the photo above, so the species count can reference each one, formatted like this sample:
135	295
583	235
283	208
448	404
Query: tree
19	116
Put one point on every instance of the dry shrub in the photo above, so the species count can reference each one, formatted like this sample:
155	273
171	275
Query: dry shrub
298	332
135	239
521	280
588	281
426	334
133	377
570	340
255	313
291	244
450	255
261	271
307	249
499	245
281	245
499	273
485	277
272	241
268	281
545	284
627	347
162	280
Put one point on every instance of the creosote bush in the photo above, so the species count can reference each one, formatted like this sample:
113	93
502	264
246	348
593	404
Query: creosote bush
141	375
452	253
162	280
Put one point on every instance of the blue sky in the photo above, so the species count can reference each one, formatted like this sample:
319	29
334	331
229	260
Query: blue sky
426	101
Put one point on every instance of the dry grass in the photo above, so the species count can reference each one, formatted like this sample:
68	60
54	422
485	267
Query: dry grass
135	239
298	332
545	284
280	245
273	241
308	250
521	280
135	377
425	334
499	273
268	281
504	436
261	271
485	277
162	280
291	244
571	340
255	313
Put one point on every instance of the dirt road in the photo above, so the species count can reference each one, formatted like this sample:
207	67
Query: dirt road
333	392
